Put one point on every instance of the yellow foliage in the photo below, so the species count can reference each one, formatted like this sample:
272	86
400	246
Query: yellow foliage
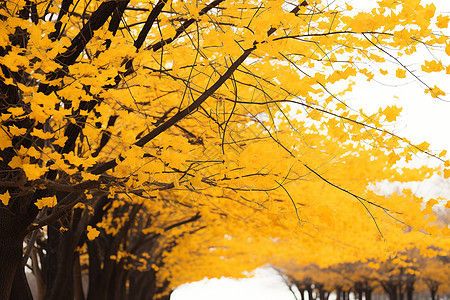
5	198
400	73
218	138
46	201
92	233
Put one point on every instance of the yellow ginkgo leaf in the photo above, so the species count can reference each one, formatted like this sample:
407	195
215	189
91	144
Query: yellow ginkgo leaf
5	140
41	134
16	111
5	198
432	66
435	92
15	162
447	48
33	171
392	112
423	146
400	73
14	130
442	21
446	173
46	201
92	233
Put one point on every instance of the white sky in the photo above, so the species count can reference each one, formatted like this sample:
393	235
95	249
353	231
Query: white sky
266	285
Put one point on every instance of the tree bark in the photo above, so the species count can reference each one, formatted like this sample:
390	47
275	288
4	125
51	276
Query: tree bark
338	293
62	287
433	292
11	238
358	286
77	280
368	293
310	293
390	288
410	288
20	289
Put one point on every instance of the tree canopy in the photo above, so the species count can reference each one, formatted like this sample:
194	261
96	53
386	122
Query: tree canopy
148	144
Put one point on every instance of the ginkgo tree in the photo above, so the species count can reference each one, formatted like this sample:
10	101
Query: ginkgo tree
401	277
193	116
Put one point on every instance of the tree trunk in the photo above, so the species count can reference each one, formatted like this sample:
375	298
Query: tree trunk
10	255
20	289
358	286
410	288
78	293
400	290
37	272
11	240
323	294
433	294
390	288
433	286
338	293
368	293
62	275
302	292
310	293
120	283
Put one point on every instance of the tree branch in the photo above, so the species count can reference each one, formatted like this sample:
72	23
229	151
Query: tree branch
101	168
194	105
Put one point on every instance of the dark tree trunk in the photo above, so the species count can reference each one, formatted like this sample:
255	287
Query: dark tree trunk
433	286
78	293
344	295
302	292
120	284
11	240
390	288
145	284
400	291
310	293
95	268
392	295
51	262
323	294
10	255
433	292
20	289
300	287
62	287
37	272
358	286
410	287
338	293
368	293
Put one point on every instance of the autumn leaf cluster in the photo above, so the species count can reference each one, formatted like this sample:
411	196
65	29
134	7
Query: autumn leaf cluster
177	134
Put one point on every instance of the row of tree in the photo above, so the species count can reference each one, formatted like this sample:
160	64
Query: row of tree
411	272
145	145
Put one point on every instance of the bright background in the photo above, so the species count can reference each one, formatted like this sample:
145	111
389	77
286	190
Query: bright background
265	285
